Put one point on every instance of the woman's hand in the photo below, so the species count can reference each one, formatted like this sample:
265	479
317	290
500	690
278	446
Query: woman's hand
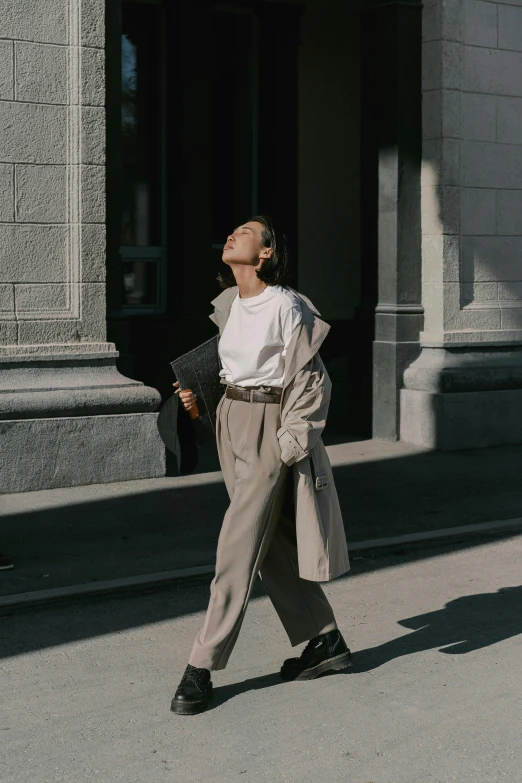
187	397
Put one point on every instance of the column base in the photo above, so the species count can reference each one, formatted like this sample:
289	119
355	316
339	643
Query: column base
71	418
76	450
463	398
470	420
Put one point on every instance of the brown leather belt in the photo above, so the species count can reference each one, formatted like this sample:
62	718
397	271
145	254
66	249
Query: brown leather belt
252	394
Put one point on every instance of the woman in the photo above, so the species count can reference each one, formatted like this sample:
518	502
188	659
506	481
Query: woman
284	519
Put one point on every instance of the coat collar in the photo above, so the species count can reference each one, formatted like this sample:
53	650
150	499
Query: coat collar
305	342
222	305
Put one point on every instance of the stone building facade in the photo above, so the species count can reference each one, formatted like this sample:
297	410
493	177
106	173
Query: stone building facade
385	136
67	416
465	389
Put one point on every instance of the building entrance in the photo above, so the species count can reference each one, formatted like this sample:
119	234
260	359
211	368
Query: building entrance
217	112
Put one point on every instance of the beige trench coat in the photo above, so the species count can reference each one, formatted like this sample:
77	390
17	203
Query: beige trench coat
321	540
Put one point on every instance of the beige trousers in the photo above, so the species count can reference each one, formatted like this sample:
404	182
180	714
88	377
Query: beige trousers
257	535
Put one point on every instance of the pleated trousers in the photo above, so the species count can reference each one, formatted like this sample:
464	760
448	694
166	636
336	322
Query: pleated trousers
257	536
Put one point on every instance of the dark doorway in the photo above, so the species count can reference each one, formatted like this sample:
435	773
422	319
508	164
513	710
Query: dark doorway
189	157
216	111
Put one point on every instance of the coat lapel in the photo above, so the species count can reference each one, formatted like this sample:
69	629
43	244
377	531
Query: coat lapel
222	305
305	343
306	340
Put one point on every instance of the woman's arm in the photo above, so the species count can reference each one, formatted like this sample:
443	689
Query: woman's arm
305	411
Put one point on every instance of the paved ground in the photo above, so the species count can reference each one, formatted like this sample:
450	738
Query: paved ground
434	696
72	536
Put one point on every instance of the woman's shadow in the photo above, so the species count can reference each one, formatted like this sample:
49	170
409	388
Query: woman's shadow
463	625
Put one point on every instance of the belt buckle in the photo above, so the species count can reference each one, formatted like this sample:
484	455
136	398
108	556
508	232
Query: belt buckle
321	482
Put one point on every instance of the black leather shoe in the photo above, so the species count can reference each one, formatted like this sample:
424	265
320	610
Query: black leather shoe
325	653
193	693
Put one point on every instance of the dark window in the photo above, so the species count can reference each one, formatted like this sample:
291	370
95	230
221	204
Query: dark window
142	208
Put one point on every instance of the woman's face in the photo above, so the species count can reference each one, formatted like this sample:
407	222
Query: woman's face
245	245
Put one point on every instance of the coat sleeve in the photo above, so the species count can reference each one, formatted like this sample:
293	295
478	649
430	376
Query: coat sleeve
304	415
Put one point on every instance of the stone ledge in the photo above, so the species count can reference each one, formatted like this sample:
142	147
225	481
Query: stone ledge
472	344
452	370
74	385
47	351
78	402
30	358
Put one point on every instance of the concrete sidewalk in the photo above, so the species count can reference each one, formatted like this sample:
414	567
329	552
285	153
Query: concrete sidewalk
433	695
90	534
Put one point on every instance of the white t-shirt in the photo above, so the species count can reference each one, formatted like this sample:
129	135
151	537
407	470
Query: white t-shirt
253	345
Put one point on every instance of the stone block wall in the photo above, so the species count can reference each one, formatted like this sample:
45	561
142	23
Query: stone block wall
465	389
67	416
52	175
472	170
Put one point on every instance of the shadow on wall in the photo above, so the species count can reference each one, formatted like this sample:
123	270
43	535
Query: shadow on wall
471	171
465	393
472	279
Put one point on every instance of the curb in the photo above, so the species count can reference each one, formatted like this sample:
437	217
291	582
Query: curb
111	586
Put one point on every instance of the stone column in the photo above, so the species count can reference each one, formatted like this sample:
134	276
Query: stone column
465	389
391	150
67	416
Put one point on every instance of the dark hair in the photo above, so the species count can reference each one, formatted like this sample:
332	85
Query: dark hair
274	270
